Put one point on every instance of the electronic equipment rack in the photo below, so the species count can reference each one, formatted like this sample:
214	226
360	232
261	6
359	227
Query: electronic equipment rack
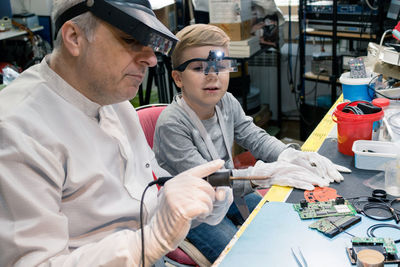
307	14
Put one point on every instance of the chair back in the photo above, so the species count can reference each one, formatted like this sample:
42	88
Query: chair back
148	116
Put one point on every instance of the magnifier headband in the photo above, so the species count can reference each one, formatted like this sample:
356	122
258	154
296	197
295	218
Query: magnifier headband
216	62
133	17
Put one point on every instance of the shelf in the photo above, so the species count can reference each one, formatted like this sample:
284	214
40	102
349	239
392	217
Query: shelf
348	35
322	78
15	32
335	36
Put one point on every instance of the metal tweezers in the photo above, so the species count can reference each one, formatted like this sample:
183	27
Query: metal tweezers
301	261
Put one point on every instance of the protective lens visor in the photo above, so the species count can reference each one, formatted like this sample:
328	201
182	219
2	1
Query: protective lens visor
133	17
215	63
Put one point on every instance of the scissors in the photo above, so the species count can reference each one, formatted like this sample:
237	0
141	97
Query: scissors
301	261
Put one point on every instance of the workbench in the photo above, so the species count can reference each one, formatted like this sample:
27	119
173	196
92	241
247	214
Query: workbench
273	228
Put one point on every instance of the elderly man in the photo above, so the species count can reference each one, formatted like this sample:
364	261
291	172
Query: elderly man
74	162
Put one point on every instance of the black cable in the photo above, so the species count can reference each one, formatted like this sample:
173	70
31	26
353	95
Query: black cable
369	87
289	69
160	181
314	90
298	91
375	203
372	228
383	206
341	230
396	200
141	223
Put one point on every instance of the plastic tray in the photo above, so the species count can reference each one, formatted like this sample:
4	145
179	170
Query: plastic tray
372	155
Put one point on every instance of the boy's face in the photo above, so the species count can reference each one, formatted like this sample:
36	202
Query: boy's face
201	91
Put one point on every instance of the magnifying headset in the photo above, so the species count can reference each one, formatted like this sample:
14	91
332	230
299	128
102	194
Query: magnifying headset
134	17
216	62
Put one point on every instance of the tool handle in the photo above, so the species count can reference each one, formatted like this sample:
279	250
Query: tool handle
218	178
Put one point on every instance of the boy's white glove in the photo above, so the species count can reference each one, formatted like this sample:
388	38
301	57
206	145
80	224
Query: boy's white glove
184	198
314	162
285	174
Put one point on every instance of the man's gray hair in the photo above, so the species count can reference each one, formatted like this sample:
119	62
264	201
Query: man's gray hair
86	21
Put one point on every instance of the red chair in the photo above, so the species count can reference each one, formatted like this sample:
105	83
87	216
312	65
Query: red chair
186	254
245	160
148	116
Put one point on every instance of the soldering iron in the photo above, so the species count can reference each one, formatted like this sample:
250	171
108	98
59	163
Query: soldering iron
218	178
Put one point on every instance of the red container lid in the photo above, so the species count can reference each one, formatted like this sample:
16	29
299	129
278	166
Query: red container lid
381	102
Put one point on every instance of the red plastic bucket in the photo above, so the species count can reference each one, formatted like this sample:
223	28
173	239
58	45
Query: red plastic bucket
352	127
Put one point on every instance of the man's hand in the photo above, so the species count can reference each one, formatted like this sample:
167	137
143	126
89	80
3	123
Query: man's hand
184	198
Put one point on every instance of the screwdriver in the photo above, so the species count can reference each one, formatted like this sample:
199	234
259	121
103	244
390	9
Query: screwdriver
218	178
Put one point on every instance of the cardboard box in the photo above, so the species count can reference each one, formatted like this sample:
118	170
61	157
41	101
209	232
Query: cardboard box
229	11
167	15
236	31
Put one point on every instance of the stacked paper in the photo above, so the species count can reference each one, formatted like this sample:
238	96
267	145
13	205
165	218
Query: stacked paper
244	48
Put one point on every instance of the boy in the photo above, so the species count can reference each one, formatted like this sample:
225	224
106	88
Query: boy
201	124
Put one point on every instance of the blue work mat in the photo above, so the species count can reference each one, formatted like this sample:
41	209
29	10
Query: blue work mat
267	241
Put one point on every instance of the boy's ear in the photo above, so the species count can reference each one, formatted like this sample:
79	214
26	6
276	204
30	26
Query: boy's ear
72	37
176	75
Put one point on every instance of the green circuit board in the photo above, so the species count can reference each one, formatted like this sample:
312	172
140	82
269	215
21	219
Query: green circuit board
387	243
386	246
331	226
324	209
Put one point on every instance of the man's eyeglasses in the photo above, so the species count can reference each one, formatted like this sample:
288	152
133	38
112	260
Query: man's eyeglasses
216	62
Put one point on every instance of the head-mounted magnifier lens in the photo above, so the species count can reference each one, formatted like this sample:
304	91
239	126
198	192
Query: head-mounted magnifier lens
216	62
134	17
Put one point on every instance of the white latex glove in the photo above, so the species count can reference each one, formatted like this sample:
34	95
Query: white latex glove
223	200
285	174
184	198
314	162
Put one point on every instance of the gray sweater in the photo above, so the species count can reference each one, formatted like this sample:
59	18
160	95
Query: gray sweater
178	145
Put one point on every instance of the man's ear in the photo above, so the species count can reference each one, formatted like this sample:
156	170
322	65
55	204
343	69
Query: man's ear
177	76
72	37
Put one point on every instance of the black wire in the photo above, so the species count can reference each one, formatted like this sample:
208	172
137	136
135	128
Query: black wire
160	181
382	206
369	87
393	202
375	203
372	228
141	222
341	229
314	90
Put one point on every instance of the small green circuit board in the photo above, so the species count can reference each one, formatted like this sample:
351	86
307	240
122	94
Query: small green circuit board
331	226
324	209
387	243
386	246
